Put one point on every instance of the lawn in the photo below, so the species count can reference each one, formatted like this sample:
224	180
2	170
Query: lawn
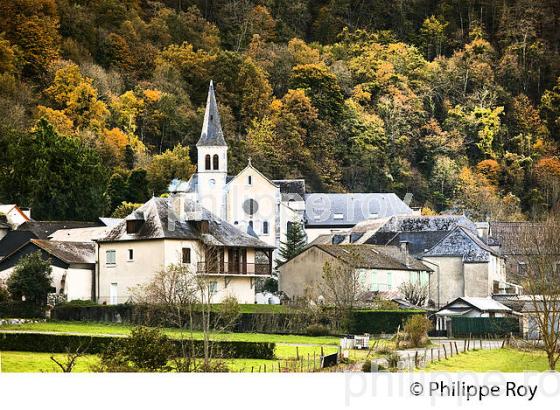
113	329
26	362
500	360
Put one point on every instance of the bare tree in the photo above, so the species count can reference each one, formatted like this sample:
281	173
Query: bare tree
415	293
173	293
540	279
342	287
71	358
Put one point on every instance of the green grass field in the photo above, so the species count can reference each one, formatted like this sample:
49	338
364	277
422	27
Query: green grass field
500	360
110	329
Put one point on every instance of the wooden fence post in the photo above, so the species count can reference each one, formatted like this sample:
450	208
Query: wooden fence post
444	351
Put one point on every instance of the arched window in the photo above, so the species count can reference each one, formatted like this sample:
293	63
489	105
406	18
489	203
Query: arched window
216	161
207	162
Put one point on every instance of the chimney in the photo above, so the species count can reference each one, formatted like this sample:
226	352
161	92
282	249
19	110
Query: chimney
26	212
482	230
178	205
405	252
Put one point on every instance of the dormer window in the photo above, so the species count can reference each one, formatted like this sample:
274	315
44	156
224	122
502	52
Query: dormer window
133	226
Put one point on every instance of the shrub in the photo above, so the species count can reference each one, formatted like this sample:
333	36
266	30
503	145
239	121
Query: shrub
31	279
384	350
317	330
417	328
393	360
146	349
366	367
4	294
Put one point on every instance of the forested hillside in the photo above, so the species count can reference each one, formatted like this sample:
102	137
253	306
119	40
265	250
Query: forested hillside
455	101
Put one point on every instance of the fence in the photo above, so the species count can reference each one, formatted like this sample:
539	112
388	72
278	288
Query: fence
421	358
484	326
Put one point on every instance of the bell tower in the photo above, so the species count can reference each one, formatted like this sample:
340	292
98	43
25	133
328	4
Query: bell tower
212	160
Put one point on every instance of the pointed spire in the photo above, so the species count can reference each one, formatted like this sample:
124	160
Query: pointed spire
211	134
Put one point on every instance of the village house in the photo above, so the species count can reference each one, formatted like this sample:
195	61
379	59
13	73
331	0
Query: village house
470	307
166	231
380	269
72	265
12	216
464	265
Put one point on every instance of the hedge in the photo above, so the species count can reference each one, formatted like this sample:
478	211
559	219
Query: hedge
291	321
20	310
55	343
380	321
483	326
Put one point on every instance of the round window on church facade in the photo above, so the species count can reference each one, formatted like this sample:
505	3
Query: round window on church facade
250	206
212	182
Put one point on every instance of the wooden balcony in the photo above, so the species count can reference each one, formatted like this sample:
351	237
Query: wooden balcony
215	268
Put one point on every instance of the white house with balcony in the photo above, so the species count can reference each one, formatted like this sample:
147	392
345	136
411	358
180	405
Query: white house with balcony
176	230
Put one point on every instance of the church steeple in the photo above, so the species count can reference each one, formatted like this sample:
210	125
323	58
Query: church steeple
211	135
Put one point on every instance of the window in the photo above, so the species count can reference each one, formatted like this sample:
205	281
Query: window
521	268
213	287
111	257
250	206
265	228
207	161
186	258
374	284
249	180
131	254
251	224
216	161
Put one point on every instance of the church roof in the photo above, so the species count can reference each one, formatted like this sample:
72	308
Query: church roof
346	210
211	134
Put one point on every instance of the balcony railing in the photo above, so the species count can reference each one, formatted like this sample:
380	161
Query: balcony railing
209	268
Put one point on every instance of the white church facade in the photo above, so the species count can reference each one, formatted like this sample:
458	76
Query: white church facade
264	208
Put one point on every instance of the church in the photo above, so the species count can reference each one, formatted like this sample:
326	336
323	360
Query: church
264	208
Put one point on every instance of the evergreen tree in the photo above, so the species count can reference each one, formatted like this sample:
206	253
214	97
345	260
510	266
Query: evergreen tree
31	279
296	239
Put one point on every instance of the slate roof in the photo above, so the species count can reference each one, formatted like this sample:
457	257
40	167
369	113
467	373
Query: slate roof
349	209
462	242
80	234
421	233
507	234
373	257
109	221
161	222
69	252
482	304
291	186
14	240
212	134
417	223
42	229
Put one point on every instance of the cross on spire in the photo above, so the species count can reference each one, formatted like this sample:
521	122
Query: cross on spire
211	134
